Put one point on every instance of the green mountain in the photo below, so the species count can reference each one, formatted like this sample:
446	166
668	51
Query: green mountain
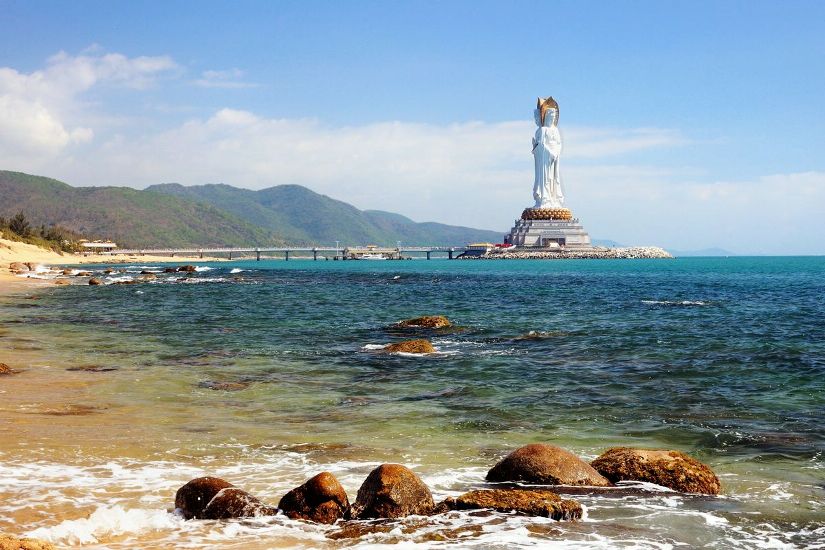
301	216
129	217
215	215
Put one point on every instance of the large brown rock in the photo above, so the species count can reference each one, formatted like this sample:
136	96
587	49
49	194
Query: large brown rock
410	346
522	501
18	267
392	491
232	502
547	465
427	321
9	542
192	498
321	499
94	282
187	268
672	469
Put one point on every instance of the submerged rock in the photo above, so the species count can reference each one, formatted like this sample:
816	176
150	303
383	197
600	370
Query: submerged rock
545	464
392	491
61	282
410	346
147	277
83	274
169	270
187	268
427	321
95	282
192	498
9	542
91	368
232	502
522	501
223	386
5	369
321	499
672	469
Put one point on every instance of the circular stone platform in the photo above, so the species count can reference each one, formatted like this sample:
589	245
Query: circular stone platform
546	214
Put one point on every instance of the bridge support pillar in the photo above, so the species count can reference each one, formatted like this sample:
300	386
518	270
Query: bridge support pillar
201	252
428	254
314	255
286	255
230	255
257	255
450	254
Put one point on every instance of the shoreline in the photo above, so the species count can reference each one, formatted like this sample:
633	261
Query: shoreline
12	252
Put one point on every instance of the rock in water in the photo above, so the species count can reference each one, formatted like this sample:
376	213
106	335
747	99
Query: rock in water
187	268
236	503
5	369
18	267
9	542
392	491
427	321
672	469
192	498
547	465
531	503
95	282
410	346
321	499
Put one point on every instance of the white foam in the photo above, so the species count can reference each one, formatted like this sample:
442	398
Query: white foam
202	268
237	270
677	302
107	521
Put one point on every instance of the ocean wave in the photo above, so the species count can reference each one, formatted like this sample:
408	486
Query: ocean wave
676	302
105	522
128	502
237	270
201	268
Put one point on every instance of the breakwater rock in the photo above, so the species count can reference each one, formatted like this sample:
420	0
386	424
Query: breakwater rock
595	253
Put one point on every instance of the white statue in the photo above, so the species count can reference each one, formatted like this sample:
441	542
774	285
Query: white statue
546	150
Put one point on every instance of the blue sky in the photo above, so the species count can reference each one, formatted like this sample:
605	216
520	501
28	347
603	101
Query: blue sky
686	124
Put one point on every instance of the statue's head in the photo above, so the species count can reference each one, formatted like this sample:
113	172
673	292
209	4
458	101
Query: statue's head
547	112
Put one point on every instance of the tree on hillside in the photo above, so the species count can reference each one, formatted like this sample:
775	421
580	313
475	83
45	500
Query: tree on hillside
20	225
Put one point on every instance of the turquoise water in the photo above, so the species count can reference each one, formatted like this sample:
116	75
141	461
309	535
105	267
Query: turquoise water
720	357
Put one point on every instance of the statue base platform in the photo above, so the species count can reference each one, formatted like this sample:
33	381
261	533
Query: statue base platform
540	230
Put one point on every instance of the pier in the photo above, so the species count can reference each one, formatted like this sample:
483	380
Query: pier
337	253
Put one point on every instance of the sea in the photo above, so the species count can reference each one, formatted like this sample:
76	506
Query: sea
267	373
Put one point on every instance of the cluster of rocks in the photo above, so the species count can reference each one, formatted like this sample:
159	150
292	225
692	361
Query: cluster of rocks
393	491
21	268
594	253
63	276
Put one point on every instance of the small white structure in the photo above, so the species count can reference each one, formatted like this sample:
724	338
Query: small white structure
98	246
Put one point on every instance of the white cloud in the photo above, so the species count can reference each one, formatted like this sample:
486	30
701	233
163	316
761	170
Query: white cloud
230	79
40	112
